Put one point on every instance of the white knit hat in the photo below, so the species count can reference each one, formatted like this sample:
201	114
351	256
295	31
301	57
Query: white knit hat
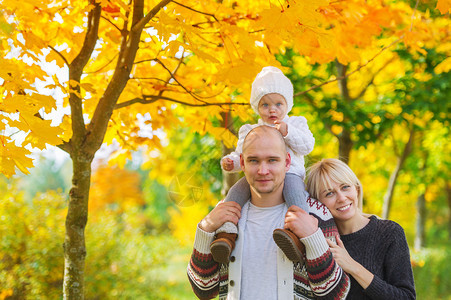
271	80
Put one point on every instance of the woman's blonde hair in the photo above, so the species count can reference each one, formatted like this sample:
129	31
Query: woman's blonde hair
322	174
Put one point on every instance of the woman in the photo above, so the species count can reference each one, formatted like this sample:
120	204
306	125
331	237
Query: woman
373	251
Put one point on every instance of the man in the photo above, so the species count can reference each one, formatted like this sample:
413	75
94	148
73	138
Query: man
258	269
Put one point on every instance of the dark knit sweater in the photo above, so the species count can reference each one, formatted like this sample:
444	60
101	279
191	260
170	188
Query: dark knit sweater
381	247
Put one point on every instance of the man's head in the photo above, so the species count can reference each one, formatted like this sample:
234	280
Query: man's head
265	161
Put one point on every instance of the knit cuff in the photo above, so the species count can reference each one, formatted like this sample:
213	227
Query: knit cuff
287	138
203	240
315	245
376	287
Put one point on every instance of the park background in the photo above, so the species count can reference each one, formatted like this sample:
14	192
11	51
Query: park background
116	113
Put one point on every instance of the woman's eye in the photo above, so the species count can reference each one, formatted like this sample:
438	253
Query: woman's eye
279	104
328	194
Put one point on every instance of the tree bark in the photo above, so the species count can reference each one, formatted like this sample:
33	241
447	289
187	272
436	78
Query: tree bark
420	221
448	193
228	179
76	220
345	145
345	142
86	140
421	212
394	176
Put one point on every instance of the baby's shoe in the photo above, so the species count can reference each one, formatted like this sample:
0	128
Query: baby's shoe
290	244
222	246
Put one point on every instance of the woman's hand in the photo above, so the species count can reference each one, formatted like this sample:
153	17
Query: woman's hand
341	255
348	264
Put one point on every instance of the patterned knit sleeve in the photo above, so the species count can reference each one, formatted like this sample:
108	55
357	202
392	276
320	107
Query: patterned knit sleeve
398	281
203	271
326	278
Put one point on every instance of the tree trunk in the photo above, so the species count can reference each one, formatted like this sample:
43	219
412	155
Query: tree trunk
345	145
228	179
345	142
77	217
448	193
420	221
86	140
421	212
394	176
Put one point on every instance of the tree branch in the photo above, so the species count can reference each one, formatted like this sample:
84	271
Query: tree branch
140	25
151	99
200	12
127	54
179	83
114	25
60	55
75	70
363	91
350	73
103	67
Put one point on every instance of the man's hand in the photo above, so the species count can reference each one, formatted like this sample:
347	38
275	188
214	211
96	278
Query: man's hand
223	212
227	164
282	127
300	222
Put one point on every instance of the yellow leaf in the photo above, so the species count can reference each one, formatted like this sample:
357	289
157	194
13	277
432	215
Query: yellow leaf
444	6
12	156
444	66
53	56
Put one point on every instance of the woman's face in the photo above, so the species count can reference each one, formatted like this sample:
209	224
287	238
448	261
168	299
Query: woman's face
342	200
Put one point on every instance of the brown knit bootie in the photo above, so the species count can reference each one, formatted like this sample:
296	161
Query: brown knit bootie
290	244
222	246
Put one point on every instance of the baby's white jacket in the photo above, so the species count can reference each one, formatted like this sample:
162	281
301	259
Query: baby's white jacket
299	141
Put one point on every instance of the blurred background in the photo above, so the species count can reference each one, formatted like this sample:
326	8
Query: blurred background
372	78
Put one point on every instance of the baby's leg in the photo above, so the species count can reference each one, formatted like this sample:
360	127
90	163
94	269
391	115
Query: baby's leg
294	194
294	191
224	242
240	193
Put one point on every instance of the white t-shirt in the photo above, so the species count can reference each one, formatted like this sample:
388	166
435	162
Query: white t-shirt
259	268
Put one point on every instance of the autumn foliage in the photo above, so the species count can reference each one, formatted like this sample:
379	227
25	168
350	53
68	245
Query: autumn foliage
156	76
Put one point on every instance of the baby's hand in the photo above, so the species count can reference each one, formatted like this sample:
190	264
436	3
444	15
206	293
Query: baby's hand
227	164
282	127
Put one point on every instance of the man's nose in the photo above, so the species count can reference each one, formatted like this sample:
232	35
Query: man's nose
262	169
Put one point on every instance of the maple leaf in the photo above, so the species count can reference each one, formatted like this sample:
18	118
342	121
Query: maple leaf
12	156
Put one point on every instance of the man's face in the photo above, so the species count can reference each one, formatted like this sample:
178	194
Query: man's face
265	161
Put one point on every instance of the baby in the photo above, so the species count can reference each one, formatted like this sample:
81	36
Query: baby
272	99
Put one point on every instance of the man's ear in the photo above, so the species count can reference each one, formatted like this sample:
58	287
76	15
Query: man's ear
287	162
242	161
